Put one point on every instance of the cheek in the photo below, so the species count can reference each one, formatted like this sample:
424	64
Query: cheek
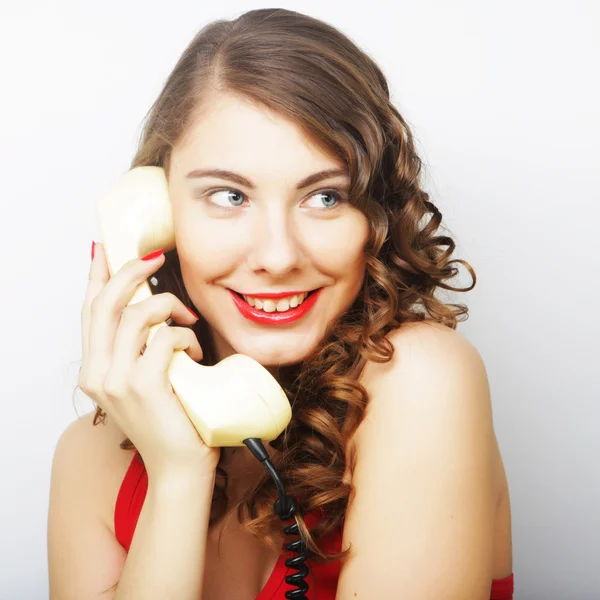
202	251
338	246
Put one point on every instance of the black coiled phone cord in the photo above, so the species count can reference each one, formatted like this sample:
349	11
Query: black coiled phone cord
285	507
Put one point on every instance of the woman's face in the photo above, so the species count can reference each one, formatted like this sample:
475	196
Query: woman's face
261	231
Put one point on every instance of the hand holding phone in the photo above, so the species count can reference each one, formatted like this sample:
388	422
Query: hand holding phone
130	381
227	403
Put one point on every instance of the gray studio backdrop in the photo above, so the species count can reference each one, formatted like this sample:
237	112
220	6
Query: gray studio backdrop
503	100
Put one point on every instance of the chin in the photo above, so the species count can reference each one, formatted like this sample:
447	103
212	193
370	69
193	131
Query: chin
274	356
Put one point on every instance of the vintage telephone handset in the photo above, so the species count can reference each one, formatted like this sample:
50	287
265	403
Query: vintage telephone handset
236	402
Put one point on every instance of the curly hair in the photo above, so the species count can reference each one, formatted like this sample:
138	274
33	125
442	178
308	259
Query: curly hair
308	71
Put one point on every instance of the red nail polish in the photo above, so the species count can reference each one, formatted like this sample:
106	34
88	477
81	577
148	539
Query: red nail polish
93	248
152	255
195	315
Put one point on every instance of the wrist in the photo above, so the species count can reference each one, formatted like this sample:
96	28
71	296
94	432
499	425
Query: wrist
190	466
181	479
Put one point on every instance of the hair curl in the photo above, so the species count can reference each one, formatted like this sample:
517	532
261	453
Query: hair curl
310	72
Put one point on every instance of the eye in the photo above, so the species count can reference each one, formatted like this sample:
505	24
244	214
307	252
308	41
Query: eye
334	195
225	201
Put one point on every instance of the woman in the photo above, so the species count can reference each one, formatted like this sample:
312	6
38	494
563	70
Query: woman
390	454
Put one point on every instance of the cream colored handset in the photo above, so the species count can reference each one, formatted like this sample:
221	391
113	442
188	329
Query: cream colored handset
229	402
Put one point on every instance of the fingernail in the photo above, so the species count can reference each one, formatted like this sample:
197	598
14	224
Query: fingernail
195	315
152	255
93	248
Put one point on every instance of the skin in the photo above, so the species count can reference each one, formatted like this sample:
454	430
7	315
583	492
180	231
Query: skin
270	238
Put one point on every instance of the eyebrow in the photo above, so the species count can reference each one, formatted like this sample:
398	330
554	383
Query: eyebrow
239	179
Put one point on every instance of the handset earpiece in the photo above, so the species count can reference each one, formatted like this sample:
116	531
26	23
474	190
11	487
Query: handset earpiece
232	401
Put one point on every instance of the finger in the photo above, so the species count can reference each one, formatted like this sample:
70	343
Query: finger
157	357
97	279
107	305
136	319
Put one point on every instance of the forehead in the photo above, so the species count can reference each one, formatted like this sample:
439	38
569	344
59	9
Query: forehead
231	131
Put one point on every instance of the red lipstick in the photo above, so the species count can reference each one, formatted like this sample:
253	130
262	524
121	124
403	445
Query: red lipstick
274	318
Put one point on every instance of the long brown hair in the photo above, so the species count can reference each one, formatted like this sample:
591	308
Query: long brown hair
310	72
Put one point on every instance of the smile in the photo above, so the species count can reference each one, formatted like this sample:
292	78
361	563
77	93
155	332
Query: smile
276	304
275	311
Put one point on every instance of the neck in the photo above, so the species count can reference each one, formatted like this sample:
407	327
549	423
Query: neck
242	468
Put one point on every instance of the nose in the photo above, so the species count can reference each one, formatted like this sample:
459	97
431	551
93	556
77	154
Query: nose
275	245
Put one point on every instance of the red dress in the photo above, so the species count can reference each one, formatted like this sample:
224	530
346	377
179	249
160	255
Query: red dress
323	577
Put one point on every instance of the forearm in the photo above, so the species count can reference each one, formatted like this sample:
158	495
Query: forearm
167	554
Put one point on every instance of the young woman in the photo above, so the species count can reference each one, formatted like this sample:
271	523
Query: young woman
301	242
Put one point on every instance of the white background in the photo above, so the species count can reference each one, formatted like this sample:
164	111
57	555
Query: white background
503	100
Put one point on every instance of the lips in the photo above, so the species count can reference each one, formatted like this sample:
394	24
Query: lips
275	318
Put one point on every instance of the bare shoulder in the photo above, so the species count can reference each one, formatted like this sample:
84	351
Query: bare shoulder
426	444
435	373
84	556
91	454
427	346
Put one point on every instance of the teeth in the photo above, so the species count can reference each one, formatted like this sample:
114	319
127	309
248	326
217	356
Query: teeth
272	305
269	306
283	304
